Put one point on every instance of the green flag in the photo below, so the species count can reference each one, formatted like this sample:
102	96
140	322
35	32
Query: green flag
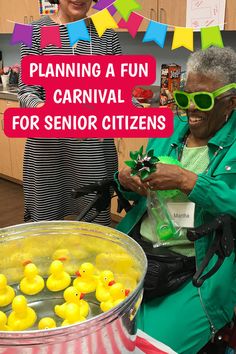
211	36
125	7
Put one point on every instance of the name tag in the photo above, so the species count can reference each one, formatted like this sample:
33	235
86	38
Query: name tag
182	213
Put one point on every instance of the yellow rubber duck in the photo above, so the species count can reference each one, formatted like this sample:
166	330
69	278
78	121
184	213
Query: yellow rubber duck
126	280
32	283
7	293
64	255
61	254
3	322
118	294
116	262
72	315
105	281
59	279
22	316
46	323
87	280
72	296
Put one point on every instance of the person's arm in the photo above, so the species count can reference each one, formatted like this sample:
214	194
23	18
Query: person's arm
30	96
215	195
116	47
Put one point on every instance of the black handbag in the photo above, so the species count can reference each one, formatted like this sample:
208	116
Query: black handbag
167	270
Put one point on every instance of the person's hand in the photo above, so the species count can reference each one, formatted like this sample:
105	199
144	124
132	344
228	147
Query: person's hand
132	183
41	104
168	177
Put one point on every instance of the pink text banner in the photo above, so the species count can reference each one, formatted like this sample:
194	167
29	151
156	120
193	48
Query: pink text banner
87	97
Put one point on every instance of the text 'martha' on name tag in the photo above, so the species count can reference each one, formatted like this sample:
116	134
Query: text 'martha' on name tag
182	213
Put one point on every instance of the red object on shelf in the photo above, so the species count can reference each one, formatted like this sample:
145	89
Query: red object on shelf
142	95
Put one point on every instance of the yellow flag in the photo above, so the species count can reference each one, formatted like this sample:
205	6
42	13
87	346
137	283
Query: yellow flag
103	20
183	37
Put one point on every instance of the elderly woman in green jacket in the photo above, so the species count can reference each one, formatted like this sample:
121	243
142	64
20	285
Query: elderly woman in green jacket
206	147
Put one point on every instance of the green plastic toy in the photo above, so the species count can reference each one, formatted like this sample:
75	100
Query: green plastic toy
171	161
164	230
143	165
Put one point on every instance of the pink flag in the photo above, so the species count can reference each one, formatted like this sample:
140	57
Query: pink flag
50	35
133	23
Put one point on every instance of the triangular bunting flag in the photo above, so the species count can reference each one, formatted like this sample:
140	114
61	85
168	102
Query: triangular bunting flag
183	37
112	10
132	24
102	21
102	4
125	7
22	34
77	31
211	36
50	35
156	32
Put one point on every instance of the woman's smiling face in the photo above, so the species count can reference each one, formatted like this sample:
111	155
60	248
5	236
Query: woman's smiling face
204	125
76	9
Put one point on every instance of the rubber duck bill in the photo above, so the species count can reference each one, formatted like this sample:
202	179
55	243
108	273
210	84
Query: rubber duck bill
112	282
127	291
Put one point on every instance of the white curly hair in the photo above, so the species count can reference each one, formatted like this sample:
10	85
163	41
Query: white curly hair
219	63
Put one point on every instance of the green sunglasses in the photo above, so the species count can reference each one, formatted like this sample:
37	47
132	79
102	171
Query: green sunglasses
204	101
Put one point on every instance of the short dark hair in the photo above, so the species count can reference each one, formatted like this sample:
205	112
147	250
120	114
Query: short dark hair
56	2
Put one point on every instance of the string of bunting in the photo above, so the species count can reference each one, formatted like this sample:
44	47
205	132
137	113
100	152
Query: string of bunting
130	20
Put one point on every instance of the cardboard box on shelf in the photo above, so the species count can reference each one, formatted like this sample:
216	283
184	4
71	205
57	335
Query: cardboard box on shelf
170	81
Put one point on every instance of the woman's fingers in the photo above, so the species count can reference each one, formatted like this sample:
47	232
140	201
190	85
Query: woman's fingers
130	182
168	177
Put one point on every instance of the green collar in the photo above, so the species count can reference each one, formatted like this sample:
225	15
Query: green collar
223	137
227	134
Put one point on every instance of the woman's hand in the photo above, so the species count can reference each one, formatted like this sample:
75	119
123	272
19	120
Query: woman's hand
132	183
171	177
41	104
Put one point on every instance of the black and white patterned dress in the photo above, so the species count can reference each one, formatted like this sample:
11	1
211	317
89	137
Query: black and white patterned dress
52	167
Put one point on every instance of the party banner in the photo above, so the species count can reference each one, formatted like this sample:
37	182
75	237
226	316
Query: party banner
103	20
130	20
156	32
211	36
22	34
133	23
50	35
183	37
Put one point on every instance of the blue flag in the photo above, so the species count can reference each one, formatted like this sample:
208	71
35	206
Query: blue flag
156	32
77	31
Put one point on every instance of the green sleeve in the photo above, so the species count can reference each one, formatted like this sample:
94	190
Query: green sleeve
215	195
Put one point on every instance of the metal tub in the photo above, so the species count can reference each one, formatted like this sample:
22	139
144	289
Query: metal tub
110	332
